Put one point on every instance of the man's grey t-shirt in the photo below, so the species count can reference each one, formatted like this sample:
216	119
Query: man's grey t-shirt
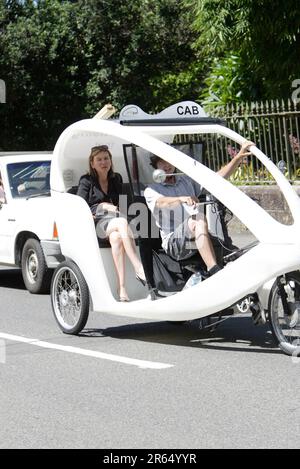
168	219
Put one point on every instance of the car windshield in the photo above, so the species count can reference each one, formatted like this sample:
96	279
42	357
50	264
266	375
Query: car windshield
29	178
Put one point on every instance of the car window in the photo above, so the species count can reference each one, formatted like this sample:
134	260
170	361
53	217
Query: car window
29	178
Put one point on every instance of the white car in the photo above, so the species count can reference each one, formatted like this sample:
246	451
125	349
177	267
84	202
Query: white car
28	237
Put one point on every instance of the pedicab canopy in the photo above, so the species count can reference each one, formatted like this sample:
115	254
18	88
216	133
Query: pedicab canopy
278	249
152	133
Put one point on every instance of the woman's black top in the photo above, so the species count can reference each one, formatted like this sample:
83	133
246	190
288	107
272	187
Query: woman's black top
89	189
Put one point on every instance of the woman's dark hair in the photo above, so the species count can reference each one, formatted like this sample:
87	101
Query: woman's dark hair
94	152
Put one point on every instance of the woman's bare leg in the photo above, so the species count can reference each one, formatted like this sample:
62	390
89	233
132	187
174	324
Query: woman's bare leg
121	226
118	255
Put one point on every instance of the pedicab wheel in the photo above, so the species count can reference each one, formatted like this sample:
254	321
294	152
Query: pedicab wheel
70	298
286	325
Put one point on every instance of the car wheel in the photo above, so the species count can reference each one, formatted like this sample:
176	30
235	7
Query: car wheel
70	298
36	275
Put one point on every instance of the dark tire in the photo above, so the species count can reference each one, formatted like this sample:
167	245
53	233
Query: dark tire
36	275
177	323
70	298
286	327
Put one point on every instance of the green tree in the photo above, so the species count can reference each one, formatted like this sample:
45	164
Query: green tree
132	47
224	84
263	34
63	60
40	63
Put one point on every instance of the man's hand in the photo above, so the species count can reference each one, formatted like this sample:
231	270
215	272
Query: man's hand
229	169
191	201
169	202
243	153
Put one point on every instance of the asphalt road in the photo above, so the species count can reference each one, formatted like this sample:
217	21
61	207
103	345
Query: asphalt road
188	388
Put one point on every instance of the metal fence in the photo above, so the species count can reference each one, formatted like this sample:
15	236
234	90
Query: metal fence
272	125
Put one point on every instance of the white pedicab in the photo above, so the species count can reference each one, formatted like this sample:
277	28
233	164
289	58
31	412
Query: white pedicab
266	273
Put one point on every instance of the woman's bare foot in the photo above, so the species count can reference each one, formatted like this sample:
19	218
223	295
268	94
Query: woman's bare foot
123	295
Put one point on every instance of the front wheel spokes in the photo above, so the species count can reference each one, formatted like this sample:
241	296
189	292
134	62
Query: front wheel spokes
68	297
66	280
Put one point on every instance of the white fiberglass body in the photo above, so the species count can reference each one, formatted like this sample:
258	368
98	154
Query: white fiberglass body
277	252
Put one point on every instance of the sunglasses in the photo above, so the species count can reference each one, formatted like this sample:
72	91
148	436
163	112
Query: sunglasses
100	148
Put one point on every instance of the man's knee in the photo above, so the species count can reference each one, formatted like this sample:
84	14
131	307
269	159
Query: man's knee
192	225
198	226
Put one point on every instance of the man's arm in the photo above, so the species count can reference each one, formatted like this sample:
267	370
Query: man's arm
155	200
169	202
227	171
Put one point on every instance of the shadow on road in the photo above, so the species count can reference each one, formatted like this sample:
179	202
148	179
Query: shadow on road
11	278
236	334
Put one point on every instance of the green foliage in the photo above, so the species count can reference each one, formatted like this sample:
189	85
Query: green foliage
138	46
63	60
39	63
264	34
184	85
224	84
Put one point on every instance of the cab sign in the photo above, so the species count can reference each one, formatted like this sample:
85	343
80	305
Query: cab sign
188	111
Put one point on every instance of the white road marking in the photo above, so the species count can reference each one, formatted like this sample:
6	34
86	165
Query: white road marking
88	353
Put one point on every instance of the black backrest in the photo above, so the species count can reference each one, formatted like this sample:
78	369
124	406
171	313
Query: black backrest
73	190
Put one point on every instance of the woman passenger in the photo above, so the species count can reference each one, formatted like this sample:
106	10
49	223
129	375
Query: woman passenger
101	188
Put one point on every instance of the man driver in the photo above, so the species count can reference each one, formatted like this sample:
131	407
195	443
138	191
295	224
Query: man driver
184	229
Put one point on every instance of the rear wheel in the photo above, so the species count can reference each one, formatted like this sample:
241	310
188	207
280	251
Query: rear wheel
284	312
36	275
70	298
